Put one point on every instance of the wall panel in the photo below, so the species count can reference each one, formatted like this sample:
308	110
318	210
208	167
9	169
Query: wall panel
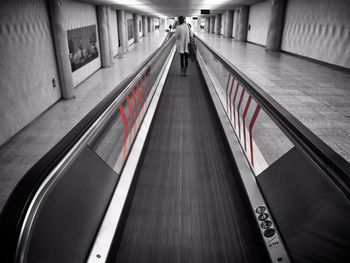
259	22
319	29
128	17
27	64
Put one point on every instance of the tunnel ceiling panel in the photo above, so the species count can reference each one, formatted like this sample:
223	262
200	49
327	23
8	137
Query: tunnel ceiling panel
171	8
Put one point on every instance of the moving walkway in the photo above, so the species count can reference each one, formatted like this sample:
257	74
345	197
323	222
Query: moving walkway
170	168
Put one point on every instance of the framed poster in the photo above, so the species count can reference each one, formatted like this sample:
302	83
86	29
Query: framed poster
82	45
130	29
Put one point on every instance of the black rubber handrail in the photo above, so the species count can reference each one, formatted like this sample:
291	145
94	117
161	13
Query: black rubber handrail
16	206
334	166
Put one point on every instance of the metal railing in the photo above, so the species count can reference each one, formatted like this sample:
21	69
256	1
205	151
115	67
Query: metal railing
332	165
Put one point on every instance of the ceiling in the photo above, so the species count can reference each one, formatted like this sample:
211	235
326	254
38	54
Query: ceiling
173	8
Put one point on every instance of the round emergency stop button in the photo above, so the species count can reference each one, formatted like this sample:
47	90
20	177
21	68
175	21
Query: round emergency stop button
269	232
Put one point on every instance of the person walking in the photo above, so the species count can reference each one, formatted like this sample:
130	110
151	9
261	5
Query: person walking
182	36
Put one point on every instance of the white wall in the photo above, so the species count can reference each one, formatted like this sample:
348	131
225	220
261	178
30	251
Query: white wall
80	15
169	21
193	23
319	29
259	22
27	64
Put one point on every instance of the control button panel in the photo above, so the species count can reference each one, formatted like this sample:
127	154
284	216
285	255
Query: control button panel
266	224
270	235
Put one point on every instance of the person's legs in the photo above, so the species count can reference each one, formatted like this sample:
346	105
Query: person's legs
182	62
186	62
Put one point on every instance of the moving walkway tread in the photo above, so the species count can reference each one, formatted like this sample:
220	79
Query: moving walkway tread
188	203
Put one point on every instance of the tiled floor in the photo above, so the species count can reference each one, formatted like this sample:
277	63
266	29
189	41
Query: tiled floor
317	95
22	151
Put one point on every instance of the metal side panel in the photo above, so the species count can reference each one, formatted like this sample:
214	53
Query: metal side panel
312	216
68	219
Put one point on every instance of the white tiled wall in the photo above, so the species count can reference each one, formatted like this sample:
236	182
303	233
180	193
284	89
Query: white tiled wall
319	29
27	64
259	22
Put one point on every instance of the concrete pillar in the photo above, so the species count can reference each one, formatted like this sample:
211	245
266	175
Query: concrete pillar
223	22
215	24
152	24
122	30
136	28
212	24
102	22
162	24
199	20
217	29
228	23
235	23
207	24
149	26
109	27
242	23
275	31
61	48
144	26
